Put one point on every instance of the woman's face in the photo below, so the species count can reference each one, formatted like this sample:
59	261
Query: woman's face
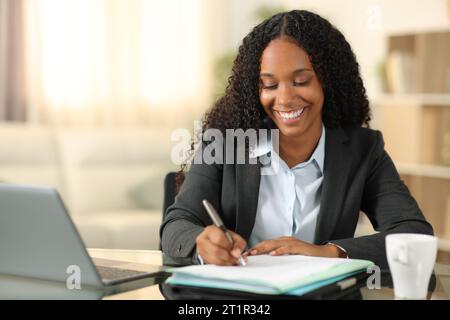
290	91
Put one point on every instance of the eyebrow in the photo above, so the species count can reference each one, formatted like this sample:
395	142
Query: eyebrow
301	70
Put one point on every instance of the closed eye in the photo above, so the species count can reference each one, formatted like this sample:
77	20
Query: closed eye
275	86
272	87
300	84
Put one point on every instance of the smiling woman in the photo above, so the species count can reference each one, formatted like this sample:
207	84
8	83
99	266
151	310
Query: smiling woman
292	96
297	73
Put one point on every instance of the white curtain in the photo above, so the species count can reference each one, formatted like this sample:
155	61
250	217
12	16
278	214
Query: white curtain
117	62
12	89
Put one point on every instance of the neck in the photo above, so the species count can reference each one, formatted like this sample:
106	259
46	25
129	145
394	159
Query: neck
295	150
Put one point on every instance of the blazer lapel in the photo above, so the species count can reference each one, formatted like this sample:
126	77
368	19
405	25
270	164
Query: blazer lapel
247	191
336	175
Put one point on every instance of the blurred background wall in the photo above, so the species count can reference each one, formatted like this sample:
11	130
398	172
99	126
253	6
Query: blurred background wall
91	90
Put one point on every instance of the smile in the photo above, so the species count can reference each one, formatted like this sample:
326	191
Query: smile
290	115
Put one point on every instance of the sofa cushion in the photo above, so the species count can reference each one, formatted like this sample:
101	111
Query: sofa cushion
27	145
115	147
106	170
107	188
29	155
132	229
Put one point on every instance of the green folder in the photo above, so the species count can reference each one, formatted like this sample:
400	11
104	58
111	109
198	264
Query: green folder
293	274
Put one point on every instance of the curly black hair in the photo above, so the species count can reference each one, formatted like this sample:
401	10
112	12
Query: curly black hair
345	99
331	56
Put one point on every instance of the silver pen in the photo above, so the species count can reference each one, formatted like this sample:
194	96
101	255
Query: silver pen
219	223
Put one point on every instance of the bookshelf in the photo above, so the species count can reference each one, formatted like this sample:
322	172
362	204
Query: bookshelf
424	170
414	116
418	63
416	127
432	99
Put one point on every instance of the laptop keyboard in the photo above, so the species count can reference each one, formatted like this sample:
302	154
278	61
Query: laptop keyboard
108	273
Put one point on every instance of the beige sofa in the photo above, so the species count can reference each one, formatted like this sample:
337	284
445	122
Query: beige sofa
110	179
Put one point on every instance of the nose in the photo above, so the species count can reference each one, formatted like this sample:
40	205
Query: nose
285	94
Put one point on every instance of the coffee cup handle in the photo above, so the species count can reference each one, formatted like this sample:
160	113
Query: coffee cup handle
400	254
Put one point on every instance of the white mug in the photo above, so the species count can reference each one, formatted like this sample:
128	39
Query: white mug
411	259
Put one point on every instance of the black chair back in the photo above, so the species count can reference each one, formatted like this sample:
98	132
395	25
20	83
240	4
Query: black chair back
170	191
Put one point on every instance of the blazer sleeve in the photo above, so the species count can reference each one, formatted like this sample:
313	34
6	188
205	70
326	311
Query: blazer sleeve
186	218
389	206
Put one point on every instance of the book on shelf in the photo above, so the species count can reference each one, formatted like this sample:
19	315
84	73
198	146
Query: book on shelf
400	72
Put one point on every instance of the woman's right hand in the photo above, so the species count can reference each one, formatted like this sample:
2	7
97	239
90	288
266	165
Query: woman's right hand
214	247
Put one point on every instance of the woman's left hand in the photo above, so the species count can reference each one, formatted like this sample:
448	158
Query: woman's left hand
291	245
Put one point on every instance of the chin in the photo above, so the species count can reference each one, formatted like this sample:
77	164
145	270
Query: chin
283	128
291	131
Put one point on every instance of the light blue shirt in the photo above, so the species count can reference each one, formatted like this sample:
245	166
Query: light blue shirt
289	198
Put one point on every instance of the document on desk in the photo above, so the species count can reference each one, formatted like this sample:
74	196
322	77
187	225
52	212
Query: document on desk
267	274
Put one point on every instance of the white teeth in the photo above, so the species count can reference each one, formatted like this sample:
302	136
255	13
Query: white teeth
291	115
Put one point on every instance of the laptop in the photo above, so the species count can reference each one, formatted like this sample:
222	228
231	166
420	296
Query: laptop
39	240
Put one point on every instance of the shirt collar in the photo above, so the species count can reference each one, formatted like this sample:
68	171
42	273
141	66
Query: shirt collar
318	155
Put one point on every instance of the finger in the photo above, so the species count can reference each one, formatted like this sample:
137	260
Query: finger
270	245
282	251
217	236
266	246
239	244
218	262
214	254
209	251
291	249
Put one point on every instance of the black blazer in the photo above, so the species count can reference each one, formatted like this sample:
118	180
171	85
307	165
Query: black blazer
358	176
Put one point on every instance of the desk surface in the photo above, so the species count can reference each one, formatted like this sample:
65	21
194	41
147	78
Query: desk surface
135	256
442	272
154	257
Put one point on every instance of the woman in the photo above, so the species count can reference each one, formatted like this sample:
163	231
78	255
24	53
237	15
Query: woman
297	73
